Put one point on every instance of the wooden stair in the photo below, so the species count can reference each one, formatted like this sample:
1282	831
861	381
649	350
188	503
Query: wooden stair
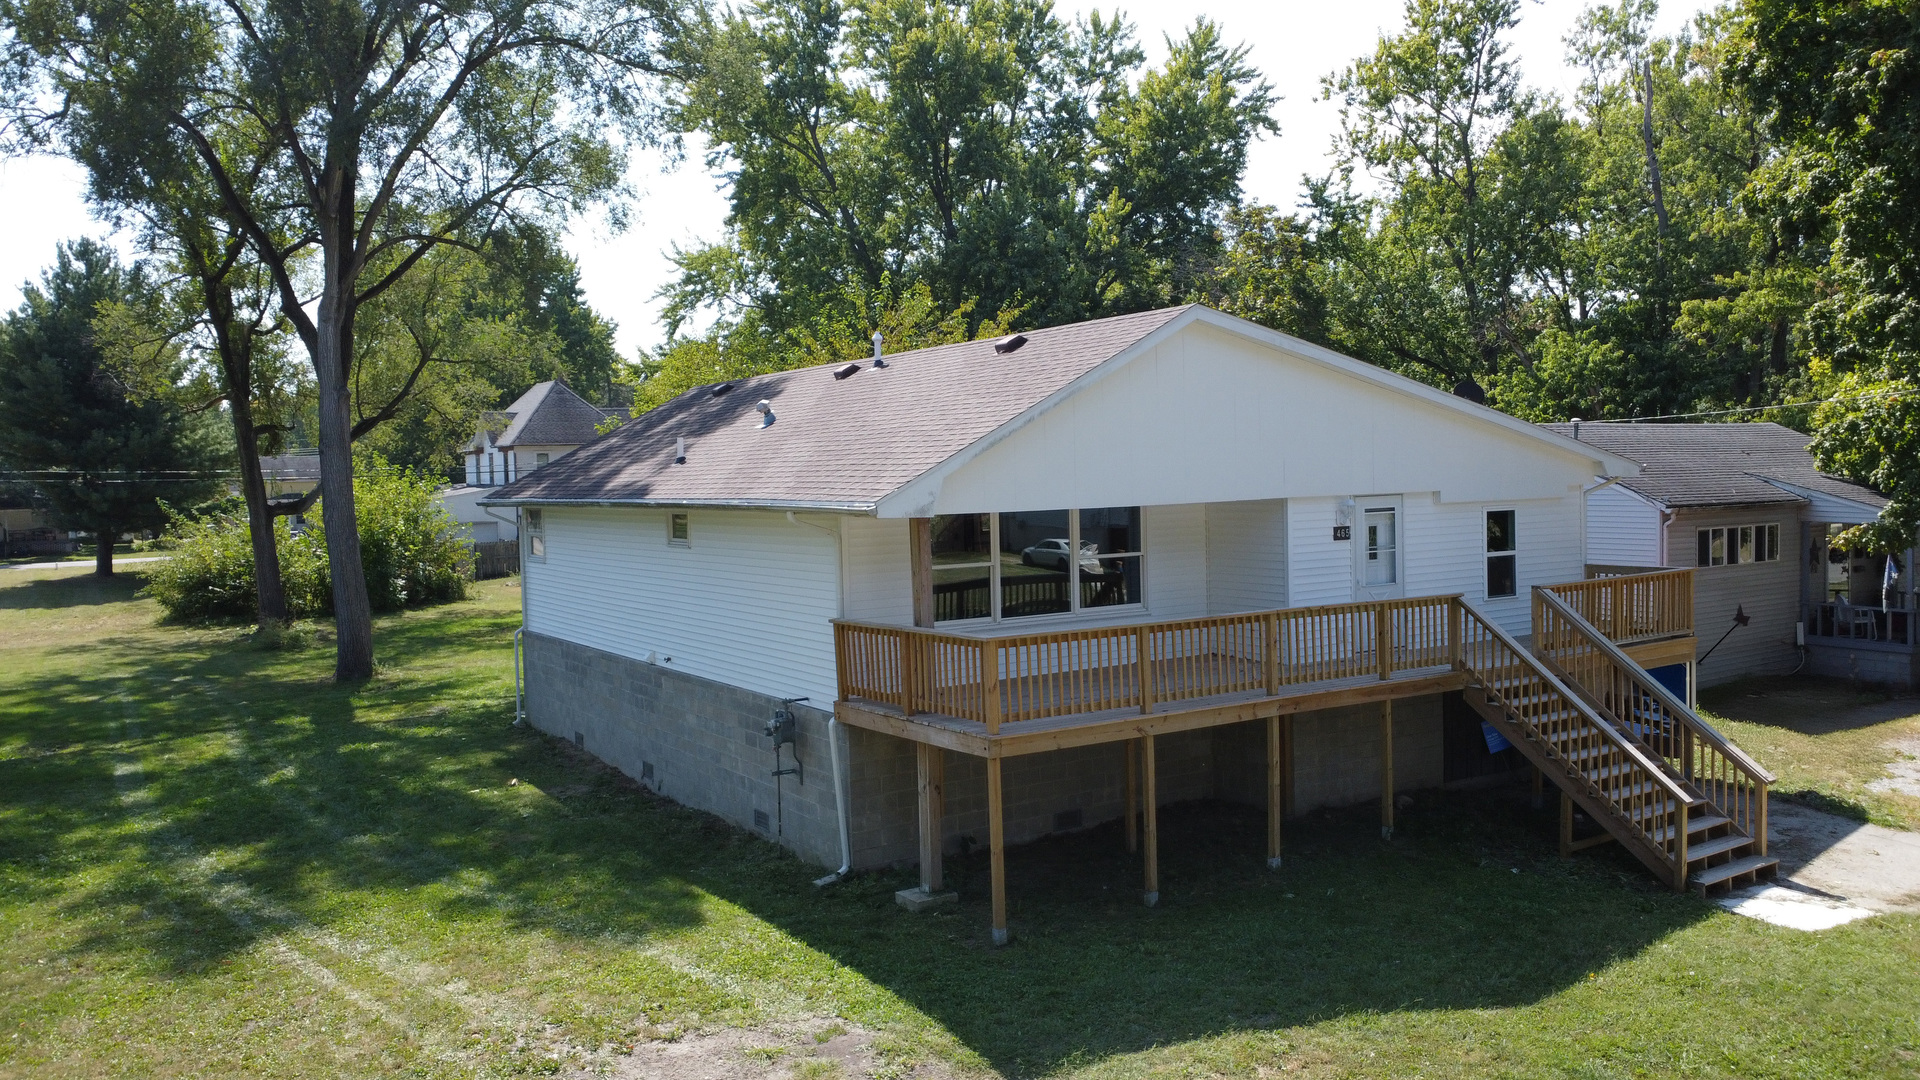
1648	791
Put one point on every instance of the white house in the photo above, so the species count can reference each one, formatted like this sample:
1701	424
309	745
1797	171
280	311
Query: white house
1066	551
1747	506
542	426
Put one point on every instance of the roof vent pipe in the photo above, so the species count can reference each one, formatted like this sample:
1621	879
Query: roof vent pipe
680	451
1576	429
1010	343
765	409
879	360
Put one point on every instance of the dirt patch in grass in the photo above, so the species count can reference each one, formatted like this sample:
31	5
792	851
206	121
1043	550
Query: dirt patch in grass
817	1048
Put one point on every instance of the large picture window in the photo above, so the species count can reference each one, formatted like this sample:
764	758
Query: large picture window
1036	562
1738	544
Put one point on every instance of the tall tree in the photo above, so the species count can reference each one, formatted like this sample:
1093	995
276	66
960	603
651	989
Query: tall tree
984	149
1839	82
384	130
101	462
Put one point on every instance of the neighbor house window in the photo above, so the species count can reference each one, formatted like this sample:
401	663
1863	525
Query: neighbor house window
1736	544
1503	545
533	523
539	460
1036	562
679	531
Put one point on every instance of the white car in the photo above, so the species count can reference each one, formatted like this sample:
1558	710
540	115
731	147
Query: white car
1053	553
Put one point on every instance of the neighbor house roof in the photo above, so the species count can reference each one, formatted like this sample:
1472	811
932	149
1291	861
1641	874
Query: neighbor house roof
549	414
1718	464
846	443
297	465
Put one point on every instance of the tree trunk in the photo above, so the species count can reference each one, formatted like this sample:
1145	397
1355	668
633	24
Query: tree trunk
352	612
103	552
270	594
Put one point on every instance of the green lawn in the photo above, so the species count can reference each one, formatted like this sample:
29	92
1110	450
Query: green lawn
213	863
1828	743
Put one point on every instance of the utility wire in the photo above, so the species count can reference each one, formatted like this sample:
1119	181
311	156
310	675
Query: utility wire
1869	396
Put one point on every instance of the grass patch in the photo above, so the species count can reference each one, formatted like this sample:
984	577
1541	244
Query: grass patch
1829	743
215	862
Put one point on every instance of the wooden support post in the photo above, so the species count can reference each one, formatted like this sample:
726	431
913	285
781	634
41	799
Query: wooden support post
1679	847
1272	635
1276	792
997	852
1143	659
1386	769
1133	796
1151	811
1539	781
933	767
990	683
920	562
1286	763
1456	634
1760	814
1566	825
1383	639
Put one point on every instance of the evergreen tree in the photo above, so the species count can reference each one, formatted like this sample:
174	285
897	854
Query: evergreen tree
98	461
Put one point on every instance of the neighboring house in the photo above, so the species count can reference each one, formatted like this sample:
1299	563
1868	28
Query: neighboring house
542	426
987	591
26	531
293	473
1746	505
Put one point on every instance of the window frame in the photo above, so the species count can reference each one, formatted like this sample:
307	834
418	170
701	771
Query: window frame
1736	545
540	460
679	529
996	615
1511	553
533	526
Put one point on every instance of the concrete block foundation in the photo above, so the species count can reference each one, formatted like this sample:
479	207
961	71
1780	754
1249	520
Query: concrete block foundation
704	745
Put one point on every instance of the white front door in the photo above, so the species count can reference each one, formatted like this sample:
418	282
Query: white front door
1377	570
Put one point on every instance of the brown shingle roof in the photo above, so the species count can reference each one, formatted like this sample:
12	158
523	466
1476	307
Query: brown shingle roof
1717	464
843	443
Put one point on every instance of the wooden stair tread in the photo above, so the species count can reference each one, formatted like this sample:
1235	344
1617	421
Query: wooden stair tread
1714	875
1709	848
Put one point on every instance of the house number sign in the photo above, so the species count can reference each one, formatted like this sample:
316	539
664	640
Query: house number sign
1343	532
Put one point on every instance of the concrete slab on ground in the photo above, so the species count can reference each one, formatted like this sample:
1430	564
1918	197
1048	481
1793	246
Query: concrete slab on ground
1872	866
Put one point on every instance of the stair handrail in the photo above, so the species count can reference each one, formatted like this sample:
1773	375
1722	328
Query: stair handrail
1653	686
1631	746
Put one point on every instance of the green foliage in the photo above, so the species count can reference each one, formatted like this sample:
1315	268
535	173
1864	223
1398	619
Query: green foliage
1840	83
412	554
983	149
837	333
100	461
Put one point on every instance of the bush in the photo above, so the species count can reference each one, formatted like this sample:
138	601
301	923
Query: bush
409	549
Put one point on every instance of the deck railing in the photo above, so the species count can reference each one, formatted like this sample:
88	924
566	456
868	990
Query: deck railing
1632	604
1638	704
995	680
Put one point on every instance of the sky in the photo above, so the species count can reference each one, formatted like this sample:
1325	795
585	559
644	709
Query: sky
1294	44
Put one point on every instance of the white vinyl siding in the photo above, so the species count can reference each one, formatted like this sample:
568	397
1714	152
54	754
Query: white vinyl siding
1246	556
1446	552
1321	568
1176	567
1623	529
879	570
750	604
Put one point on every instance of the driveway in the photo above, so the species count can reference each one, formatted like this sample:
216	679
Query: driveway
85	564
1872	866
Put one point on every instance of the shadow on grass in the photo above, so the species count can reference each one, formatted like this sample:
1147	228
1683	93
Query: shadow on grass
1806	704
1827	804
317	799
68	590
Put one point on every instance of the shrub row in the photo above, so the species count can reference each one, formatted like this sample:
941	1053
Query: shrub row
409	548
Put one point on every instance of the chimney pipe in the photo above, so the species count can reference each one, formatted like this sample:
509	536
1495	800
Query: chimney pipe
879	360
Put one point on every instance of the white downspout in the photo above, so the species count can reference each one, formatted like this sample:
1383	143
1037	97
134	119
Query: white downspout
840	796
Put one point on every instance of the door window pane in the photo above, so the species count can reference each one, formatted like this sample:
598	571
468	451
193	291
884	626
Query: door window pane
1382	563
962	567
1036	563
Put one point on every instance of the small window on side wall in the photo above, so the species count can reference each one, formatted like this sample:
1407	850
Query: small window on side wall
679	531
1503	560
534	524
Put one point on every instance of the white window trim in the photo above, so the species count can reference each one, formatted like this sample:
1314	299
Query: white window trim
1730	541
1487	555
533	526
1077	613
